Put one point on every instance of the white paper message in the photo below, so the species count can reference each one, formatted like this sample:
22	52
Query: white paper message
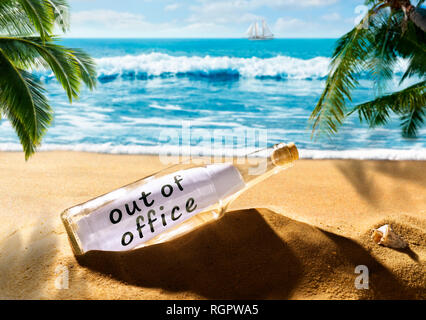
156	206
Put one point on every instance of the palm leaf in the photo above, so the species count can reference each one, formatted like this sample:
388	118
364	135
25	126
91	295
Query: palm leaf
408	103
32	46
22	98
40	15
375	50
69	65
60	11
347	62
412	47
383	55
412	121
25	17
86	67
22	55
13	20
28	144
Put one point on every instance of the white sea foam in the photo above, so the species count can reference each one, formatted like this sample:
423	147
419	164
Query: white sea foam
366	154
360	154
165	107
157	64
176	122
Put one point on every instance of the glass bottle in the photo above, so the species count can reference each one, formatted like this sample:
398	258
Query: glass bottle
169	203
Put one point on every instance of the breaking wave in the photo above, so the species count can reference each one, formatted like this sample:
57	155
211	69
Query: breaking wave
152	65
222	68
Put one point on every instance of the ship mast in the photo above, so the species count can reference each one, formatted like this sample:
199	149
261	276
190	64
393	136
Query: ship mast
254	32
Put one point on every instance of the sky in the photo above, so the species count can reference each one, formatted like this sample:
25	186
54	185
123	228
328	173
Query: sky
210	18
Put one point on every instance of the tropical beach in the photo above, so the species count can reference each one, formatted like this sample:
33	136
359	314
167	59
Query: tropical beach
107	133
294	236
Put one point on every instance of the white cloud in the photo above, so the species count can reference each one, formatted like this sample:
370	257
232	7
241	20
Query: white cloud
237	11
111	24
332	17
206	19
172	7
293	3
112	19
288	27
218	12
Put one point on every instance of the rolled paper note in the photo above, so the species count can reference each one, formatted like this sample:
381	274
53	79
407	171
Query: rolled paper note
132	218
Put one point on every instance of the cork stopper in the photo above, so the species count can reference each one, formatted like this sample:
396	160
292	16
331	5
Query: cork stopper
284	154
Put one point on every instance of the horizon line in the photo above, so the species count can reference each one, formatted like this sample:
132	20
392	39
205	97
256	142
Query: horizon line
205	38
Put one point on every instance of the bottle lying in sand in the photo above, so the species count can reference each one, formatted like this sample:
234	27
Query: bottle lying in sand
169	203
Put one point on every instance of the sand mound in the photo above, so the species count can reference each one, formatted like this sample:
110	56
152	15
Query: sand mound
248	254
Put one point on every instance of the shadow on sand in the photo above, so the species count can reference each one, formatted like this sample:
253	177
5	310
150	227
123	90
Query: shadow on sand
237	257
242	257
358	173
20	276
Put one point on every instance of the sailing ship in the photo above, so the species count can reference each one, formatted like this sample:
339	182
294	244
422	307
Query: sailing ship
256	33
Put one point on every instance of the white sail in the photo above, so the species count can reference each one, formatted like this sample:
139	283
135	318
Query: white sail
263	32
249	31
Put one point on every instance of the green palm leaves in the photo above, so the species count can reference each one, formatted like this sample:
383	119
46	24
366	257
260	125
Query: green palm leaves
374	47
26	43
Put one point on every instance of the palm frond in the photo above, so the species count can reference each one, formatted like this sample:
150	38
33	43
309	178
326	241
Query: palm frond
13	20
60	11
86	66
408	103
25	17
383	57
28	144
40	15
412	47
369	2
69	65
26	43
412	121
22	55
22	98
348	61
376	50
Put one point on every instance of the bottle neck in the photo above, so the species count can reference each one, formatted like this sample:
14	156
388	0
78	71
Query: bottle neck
259	165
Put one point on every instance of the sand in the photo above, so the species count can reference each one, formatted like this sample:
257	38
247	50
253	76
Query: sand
298	235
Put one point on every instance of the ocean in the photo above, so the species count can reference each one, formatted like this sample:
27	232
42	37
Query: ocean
248	93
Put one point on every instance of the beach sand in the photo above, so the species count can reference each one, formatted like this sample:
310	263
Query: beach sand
298	235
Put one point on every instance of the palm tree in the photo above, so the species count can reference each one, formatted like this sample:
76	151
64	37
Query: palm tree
27	43
391	30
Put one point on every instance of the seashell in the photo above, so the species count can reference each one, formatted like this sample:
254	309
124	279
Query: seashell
387	237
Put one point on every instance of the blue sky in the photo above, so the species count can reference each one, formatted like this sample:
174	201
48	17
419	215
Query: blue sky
212	19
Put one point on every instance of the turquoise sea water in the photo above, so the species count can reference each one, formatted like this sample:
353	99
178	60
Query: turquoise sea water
239	87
